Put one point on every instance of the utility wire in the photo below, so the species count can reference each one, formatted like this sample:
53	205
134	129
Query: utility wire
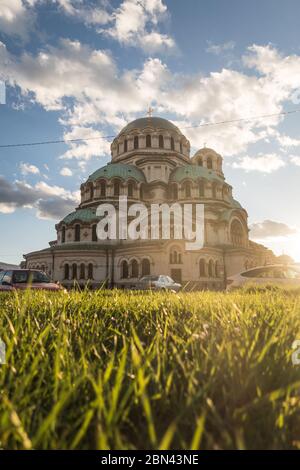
205	124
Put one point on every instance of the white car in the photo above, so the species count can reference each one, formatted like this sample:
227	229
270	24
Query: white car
273	275
160	282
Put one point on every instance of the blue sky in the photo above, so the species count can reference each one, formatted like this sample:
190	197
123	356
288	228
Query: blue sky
77	69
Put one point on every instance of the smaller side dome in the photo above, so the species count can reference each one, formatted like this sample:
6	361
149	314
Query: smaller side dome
210	159
115	170
194	172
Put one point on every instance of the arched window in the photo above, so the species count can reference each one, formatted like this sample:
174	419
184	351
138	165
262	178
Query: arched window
63	235
187	190
175	257
94	233
217	269
237	233
90	271
211	268
77	233
209	163
103	189
134	268
66	271
130	189
202	268
200	162
82	271
136	142
172	143
201	189
145	267
74	271
148	140
125	146
174	192
124	270
161	142
116	188
181	147
91	191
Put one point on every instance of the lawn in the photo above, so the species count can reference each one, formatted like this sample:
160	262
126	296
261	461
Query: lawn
126	370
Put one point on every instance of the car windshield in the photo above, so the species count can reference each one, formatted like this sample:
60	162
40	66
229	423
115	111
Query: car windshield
149	278
38	276
23	277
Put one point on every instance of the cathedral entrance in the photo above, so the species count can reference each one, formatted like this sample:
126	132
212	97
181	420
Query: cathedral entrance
176	275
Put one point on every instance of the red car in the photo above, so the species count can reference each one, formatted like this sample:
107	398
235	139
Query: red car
24	278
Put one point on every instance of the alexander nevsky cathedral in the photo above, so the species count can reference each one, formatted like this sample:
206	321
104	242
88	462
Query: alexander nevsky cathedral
150	164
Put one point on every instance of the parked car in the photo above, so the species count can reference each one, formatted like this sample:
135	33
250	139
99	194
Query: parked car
275	275
24	278
160	282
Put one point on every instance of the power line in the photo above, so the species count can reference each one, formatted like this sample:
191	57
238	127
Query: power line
205	124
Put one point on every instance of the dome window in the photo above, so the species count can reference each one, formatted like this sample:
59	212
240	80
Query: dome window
172	144
117	188
130	190
125	146
94	233
201	189
161	142
148	140
77	233
136	142
103	189
63	235
209	163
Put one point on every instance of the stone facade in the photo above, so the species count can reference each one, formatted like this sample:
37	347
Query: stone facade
151	164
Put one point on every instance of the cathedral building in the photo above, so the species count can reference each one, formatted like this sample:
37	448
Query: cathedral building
151	163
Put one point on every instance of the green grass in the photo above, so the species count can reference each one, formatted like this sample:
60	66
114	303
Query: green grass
125	370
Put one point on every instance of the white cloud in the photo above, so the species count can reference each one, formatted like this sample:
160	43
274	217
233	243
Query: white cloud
263	163
16	17
270	229
134	23
51	202
295	159
84	11
66	171
95	145
89	90
27	168
218	49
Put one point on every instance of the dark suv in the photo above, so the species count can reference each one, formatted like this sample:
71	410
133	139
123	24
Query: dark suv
25	278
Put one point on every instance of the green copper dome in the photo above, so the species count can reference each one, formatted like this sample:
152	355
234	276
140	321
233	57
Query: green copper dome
82	215
152	122
194	172
115	170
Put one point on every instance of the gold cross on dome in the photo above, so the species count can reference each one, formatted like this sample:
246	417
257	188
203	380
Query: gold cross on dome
150	111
